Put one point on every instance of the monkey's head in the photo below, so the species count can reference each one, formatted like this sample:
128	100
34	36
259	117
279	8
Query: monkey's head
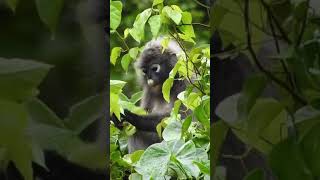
153	65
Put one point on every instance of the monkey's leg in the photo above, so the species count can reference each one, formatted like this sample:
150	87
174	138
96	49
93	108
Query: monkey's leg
144	123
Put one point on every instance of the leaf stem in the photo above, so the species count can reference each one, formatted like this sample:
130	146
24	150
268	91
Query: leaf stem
123	41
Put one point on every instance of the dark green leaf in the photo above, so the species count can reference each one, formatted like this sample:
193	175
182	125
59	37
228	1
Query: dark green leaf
49	12
86	112
12	4
311	150
19	78
41	113
287	161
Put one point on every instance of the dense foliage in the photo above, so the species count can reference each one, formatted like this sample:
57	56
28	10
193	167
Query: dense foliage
184	150
284	128
28	127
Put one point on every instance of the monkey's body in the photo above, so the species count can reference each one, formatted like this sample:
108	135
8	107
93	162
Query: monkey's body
156	106
153	68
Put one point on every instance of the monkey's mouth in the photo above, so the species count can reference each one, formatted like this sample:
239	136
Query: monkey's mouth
150	82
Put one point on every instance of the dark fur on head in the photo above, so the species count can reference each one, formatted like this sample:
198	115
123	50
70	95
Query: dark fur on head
152	54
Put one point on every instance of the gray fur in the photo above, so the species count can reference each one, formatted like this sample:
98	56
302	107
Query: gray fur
152	100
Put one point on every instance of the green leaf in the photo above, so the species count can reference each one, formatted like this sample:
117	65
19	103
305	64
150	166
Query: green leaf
227	109
14	120
116	86
186	155
155	24
227	17
19	78
311	150
252	89
204	166
135	176
136	97
164	43
12	4
115	53
38	156
154	161
176	107
60	140
132	107
219	131
125	61
86	112
126	33
172	131
96	160
41	113
133	157
256	174
305	119
156	2
202	116
166	87
114	105
186	124
265	122
191	100
172	13
187	28
137	32
115	14
49	12
286	161
133	52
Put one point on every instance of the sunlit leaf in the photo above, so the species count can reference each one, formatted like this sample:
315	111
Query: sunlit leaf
172	13
125	61
155	24
115	14
115	54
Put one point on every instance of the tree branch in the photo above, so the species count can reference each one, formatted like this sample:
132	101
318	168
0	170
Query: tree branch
259	65
304	24
278	25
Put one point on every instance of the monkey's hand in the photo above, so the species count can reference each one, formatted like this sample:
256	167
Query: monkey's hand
144	123
117	122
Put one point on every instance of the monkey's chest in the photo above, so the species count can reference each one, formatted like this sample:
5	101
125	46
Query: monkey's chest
159	108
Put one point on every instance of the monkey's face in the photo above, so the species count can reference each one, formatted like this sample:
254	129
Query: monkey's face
155	74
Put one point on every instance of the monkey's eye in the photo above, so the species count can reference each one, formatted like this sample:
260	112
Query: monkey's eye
144	71
155	68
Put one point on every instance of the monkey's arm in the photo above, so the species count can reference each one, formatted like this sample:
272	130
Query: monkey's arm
144	123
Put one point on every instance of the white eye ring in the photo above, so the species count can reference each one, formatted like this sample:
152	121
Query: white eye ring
155	67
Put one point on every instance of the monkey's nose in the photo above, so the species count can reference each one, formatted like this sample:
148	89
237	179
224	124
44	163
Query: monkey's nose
150	82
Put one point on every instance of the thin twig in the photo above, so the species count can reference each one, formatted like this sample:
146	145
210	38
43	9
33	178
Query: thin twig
201	4
278	25
304	24
184	50
237	157
123	41
200	24
283	64
259	65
